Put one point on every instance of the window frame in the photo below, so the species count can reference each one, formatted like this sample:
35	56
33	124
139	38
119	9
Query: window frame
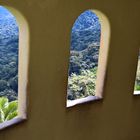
23	60
102	61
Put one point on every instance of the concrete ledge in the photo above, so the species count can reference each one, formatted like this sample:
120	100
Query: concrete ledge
136	92
71	103
11	122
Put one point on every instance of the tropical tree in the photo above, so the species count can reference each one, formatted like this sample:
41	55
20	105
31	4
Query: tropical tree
83	85
8	110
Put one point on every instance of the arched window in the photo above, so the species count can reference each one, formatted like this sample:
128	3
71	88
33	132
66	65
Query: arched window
137	80
13	66
85	68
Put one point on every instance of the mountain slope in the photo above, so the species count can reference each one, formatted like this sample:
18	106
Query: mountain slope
8	55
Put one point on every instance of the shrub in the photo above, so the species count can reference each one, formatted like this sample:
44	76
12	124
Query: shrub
8	110
137	82
82	85
137	87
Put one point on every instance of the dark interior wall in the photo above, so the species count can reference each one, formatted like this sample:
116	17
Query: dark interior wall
116	117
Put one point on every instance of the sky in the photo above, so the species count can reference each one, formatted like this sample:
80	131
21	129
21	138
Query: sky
8	24
85	21
4	13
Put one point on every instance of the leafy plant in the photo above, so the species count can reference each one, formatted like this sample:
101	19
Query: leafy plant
8	110
82	85
137	87
137	82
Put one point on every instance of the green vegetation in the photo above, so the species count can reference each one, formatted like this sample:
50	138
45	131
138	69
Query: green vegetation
137	87
84	60
82	72
9	48
9	70
82	85
8	110
9	38
84	54
137	82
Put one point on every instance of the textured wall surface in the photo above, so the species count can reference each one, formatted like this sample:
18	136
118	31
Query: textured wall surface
116	117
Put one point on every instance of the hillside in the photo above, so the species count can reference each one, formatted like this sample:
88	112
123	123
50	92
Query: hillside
84	52
86	31
84	60
85	42
8	55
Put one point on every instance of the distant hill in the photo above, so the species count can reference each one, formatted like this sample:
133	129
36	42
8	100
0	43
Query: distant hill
83	60
86	30
8	55
85	42
8	27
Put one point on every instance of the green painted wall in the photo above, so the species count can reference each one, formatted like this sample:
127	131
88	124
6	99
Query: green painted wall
117	116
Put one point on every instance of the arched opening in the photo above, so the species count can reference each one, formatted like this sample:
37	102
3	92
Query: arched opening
88	57
14	48
137	79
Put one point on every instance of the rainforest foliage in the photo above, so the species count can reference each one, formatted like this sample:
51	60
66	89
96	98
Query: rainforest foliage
8	55
8	110
137	82
84	53
82	85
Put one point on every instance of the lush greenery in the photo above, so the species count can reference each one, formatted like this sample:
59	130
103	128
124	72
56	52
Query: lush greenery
84	52
82	85
9	71
137	82
8	55
84	60
8	110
